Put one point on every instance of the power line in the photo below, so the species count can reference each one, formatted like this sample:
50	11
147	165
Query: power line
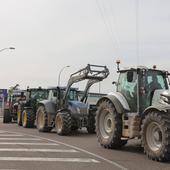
107	24
112	23
137	31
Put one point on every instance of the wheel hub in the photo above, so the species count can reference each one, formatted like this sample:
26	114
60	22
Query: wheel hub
18	116
106	123
59	123
40	122
24	118
154	136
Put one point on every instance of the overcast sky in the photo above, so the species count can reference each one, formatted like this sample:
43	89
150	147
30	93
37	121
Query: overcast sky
50	34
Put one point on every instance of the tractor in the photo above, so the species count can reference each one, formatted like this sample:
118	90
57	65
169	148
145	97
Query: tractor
140	108
47	109
68	112
26	114
11	105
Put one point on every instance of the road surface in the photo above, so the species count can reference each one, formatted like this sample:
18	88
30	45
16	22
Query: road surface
22	148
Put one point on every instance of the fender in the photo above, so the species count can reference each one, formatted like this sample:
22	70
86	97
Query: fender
118	101
159	107
49	105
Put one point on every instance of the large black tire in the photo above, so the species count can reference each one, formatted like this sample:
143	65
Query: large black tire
19	116
91	124
28	118
109	126
42	120
63	123
155	134
7	116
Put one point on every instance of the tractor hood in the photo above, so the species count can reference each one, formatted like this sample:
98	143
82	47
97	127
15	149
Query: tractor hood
161	97
78	107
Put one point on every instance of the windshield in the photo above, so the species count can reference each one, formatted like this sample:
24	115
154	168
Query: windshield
39	94
72	95
156	79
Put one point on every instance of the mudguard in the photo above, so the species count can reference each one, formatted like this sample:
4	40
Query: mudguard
49	105
118	101
159	107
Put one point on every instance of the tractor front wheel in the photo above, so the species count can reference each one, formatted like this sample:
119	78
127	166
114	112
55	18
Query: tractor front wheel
109	126
42	120
91	124
63	123
7	116
28	118
19	116
155	135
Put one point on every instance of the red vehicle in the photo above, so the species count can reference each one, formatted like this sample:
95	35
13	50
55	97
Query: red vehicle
11	106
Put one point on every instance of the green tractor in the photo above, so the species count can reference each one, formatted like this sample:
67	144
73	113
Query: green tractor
140	108
26	114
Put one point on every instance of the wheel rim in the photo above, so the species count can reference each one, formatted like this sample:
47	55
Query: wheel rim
59	123
106	124
24	120
18	116
40	120
154	136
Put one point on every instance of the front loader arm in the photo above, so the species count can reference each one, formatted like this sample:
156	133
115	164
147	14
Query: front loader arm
94	73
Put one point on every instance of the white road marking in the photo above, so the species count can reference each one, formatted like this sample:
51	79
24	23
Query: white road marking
77	148
9	169
20	143
37	150
78	160
10	135
20	139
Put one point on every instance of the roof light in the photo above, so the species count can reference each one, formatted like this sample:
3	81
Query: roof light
154	67
118	63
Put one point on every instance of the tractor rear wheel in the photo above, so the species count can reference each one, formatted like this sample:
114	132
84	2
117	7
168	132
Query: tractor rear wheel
42	120
28	118
155	133
63	123
19	116
7	116
109	126
91	124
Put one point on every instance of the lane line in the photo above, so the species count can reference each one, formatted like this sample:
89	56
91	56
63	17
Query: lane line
20	143
37	150
9	169
78	160
20	139
77	148
10	135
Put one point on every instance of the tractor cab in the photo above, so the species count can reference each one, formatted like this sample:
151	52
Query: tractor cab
142	87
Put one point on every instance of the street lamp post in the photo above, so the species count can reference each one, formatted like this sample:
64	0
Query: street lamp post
60	74
9	48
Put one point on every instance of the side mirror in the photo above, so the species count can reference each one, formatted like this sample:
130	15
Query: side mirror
115	83
167	75
130	76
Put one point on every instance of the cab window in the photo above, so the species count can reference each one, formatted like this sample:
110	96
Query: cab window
127	86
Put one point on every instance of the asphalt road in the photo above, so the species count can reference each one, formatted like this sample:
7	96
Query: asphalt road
22	148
